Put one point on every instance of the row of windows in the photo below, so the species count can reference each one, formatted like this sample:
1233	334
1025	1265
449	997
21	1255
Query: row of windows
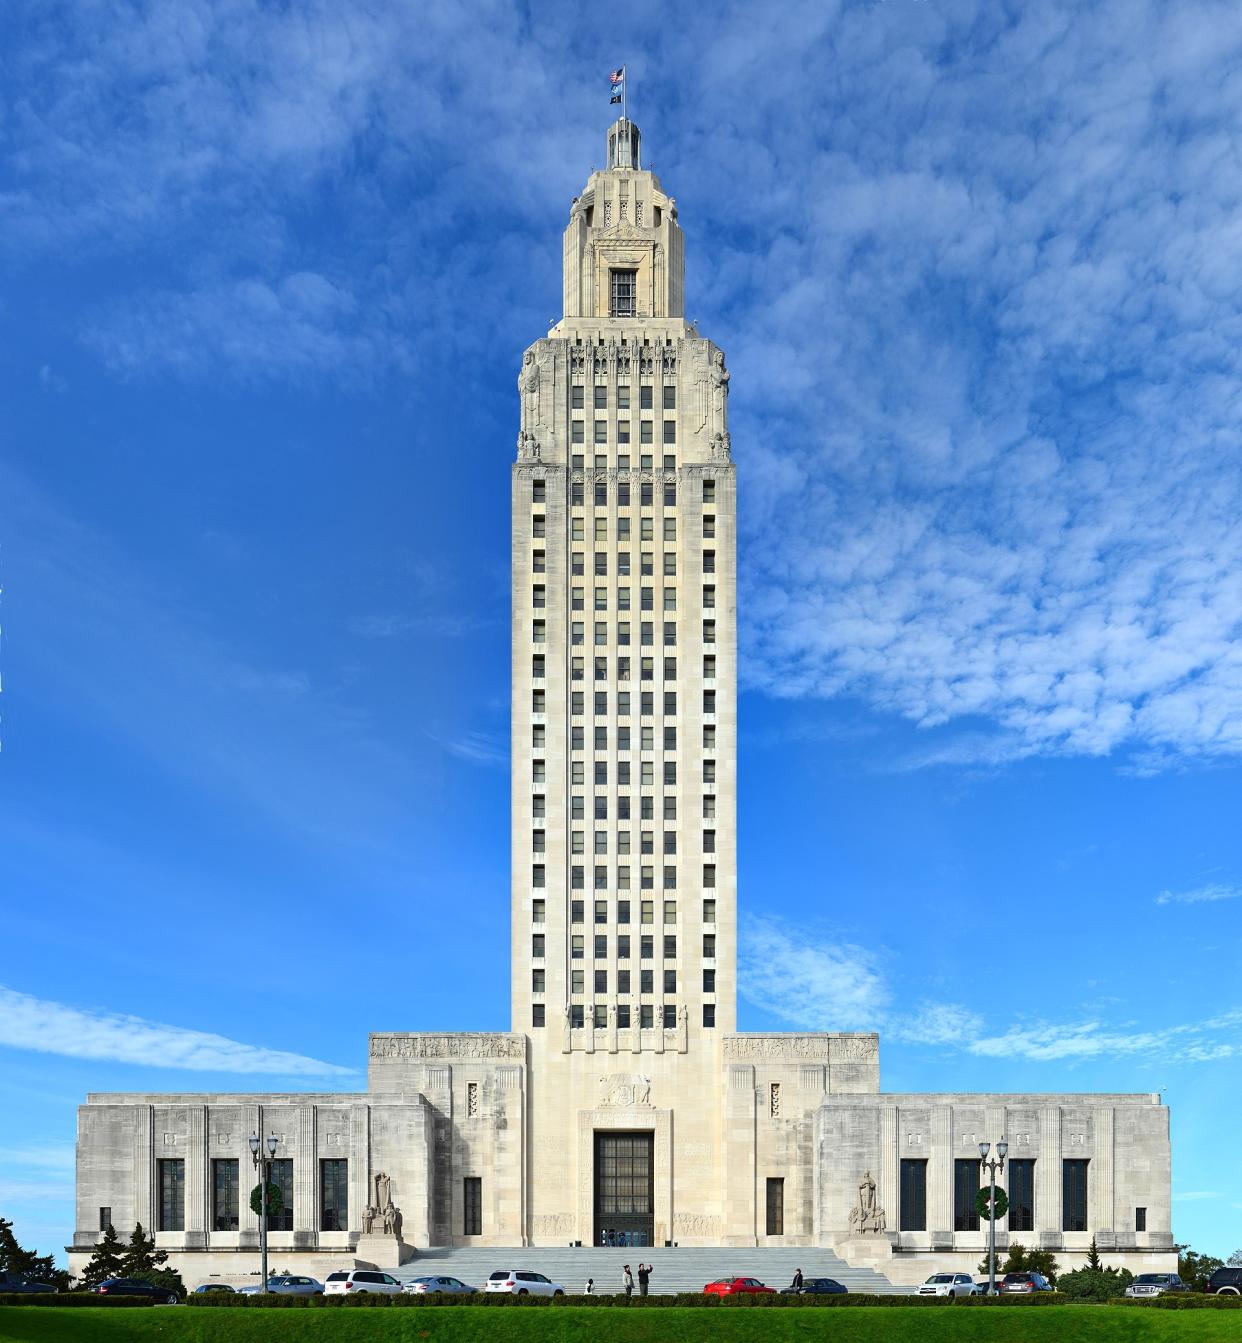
646	491
646	981
622	638
577	562
538	941
646	878
646	808
624	597
646	776
600	435
646	941
1020	1182
599	391
599	665
646	704
646	841
225	1195
646	1015
624	738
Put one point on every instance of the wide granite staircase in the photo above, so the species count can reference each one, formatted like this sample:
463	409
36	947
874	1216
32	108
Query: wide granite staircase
673	1270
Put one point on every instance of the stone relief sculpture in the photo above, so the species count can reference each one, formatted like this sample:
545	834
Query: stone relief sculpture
383	1190
567	1040
528	388
463	1046
720	392
696	1224
528	449
866	1216
624	1089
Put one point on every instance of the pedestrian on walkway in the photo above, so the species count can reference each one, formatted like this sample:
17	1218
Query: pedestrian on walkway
644	1277
629	1282
796	1285
589	1289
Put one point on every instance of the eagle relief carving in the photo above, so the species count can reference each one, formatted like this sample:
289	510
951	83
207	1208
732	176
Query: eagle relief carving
624	1089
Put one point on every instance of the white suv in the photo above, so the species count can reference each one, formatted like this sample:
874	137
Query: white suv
361	1280
948	1284
522	1282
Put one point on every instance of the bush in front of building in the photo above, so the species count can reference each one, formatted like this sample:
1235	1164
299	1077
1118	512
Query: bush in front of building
1179	1301
73	1299
1095	1284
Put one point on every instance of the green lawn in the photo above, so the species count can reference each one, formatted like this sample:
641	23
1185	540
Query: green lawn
1061	1324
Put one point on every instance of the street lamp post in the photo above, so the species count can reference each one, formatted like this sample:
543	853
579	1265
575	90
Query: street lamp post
263	1164
994	1166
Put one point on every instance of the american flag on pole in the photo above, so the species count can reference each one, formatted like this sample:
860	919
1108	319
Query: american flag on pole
616	81
617	76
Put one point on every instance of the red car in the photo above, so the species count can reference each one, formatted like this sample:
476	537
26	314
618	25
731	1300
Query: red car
735	1286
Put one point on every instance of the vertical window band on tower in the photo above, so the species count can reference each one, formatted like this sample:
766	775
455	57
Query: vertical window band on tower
623	287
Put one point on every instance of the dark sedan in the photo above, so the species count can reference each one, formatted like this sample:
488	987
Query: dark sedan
816	1287
137	1287
18	1282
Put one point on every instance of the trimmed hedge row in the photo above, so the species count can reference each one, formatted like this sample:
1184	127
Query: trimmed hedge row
73	1299
693	1300
1182	1301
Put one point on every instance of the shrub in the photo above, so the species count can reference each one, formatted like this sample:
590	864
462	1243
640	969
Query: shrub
1092	1284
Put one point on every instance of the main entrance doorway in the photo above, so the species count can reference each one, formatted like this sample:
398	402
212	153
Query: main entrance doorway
624	1188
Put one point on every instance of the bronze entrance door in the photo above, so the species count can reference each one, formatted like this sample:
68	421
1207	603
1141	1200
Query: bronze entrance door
624	1188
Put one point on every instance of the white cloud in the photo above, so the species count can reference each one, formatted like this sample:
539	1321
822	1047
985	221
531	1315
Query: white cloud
1196	1195
1201	895
817	986
816	983
56	1028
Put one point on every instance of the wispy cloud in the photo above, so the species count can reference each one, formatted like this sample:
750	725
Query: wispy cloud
1195	1195
478	748
56	1028
805	978
1200	895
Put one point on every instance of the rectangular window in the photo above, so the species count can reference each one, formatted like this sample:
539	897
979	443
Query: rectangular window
539	561
600	393
282	1178
965	1191
644	397
914	1195
623	431
709	561
1021	1193
709	525
670	981
472	1206
709	1014
709	911
536	946
575	1016
537	874
105	1218
776	1188
623	396
577	431
623	288
645	1016
644	429
670	1016
1140	1219
224	1189
537	1014
575	948
670	529
601	431
709	491
623	1015
1074	1195
601	981
172	1194
670	396
334	1195
670	430
537	525
709	981
538	981
646	981
576	393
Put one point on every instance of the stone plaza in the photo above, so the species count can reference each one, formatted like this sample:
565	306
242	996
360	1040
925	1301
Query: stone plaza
623	1106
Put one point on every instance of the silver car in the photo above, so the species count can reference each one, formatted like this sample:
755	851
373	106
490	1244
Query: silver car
287	1284
437	1285
948	1284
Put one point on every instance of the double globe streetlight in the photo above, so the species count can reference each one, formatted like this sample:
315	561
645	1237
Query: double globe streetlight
263	1164
994	1166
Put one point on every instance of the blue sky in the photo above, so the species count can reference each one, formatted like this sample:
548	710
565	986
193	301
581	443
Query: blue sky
267	274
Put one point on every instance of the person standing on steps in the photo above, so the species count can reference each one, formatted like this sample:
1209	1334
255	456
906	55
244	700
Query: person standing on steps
629	1282
797	1280
644	1277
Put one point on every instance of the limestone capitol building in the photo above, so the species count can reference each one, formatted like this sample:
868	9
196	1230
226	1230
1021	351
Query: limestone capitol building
623	1101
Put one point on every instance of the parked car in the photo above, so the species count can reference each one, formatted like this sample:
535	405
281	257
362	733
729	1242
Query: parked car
453	1286
1014	1284
205	1287
18	1282
1225	1282
1156	1284
815	1287
947	1284
522	1282
736	1286
361	1280
286	1284
137	1287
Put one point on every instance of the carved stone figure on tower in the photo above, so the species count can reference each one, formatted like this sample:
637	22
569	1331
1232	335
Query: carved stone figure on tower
866	1216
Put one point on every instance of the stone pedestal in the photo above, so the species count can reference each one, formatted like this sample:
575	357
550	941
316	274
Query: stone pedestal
383	1251
873	1251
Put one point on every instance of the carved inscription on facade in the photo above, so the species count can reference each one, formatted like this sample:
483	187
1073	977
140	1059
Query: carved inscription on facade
472	1046
798	1047
696	1224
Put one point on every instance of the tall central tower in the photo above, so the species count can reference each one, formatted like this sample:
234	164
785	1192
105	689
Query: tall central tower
624	664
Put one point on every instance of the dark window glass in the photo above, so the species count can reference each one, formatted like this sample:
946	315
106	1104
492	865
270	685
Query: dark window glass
776	1197
670	1016
334	1195
1140	1219
172	1194
282	1178
105	1218
1074	1195
709	1014
623	289
965	1191
914	1195
575	394
644	398
224	1191
670	431
601	397
670	396
537	1014
1021	1193
472	1206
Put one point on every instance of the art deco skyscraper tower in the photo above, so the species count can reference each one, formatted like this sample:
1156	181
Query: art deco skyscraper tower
624	669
